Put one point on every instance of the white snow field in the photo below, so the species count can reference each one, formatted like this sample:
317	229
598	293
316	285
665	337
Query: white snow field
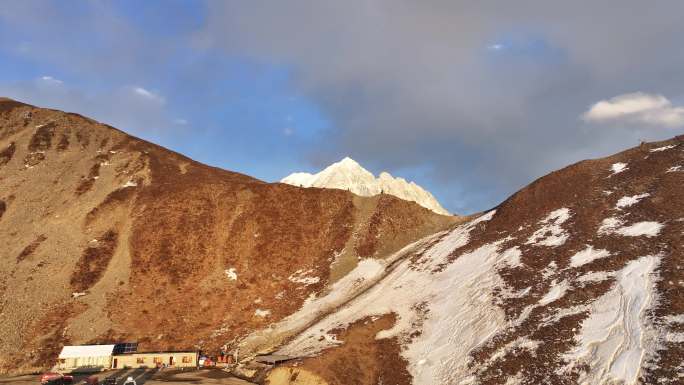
451	301
457	323
617	338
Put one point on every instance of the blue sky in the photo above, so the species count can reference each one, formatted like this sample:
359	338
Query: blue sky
220	109
472	101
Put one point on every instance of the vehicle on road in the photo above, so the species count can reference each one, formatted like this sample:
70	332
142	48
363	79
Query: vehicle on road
54	378
130	381
92	380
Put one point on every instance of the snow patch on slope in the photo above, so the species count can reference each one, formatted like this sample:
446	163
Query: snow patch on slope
659	149
617	336
551	233
617	168
231	273
648	229
614	225
631	200
587	255
556	292
302	276
347	174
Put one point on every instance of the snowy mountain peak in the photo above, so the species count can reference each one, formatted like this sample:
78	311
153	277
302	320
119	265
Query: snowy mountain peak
349	161
348	174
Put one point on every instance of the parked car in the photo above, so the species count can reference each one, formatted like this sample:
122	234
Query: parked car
130	381
92	380
54	378
111	380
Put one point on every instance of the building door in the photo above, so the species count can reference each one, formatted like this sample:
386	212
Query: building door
171	361
115	364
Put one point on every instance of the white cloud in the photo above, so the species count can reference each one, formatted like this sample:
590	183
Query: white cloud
149	95
637	108
180	122
51	80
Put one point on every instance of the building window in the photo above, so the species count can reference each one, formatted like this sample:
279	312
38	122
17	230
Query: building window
187	359
140	360
157	360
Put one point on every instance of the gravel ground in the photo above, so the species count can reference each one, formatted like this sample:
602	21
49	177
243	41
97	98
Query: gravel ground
147	377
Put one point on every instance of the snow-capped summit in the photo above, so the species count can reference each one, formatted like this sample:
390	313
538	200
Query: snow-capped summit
348	174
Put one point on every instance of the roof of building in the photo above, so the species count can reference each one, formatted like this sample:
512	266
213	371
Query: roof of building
272	359
158	352
125	347
86	351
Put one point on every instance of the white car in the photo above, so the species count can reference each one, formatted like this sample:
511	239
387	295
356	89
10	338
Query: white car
130	381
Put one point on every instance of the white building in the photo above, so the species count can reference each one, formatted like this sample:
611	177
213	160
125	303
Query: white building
85	358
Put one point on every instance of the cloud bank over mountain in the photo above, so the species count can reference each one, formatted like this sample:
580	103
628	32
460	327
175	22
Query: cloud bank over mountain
493	90
470	100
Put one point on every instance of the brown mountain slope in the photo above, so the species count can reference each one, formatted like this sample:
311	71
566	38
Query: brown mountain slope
108	237
576	279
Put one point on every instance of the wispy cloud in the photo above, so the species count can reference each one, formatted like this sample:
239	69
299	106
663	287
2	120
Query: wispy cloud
637	108
149	95
50	80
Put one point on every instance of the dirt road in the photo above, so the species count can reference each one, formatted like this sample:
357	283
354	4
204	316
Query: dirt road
147	377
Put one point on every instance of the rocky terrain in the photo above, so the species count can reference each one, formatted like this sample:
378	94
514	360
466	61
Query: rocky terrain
347	174
577	278
110	238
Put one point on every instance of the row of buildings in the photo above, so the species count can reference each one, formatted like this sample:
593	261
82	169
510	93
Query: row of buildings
87	358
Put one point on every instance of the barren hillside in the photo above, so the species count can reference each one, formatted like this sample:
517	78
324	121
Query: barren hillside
108	237
576	279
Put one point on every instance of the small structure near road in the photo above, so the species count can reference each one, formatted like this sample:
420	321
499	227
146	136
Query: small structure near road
95	358
179	359
85	358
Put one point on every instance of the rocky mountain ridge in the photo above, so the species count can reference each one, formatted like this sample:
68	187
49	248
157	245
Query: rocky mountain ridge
348	174
577	278
107	237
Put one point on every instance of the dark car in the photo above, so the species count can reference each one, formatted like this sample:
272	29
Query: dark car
92	380
53	378
111	380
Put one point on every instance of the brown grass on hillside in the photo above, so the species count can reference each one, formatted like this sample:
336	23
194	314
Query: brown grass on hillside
112	200
88	181
52	325
7	154
31	248
63	143
360	360
42	138
94	262
34	158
